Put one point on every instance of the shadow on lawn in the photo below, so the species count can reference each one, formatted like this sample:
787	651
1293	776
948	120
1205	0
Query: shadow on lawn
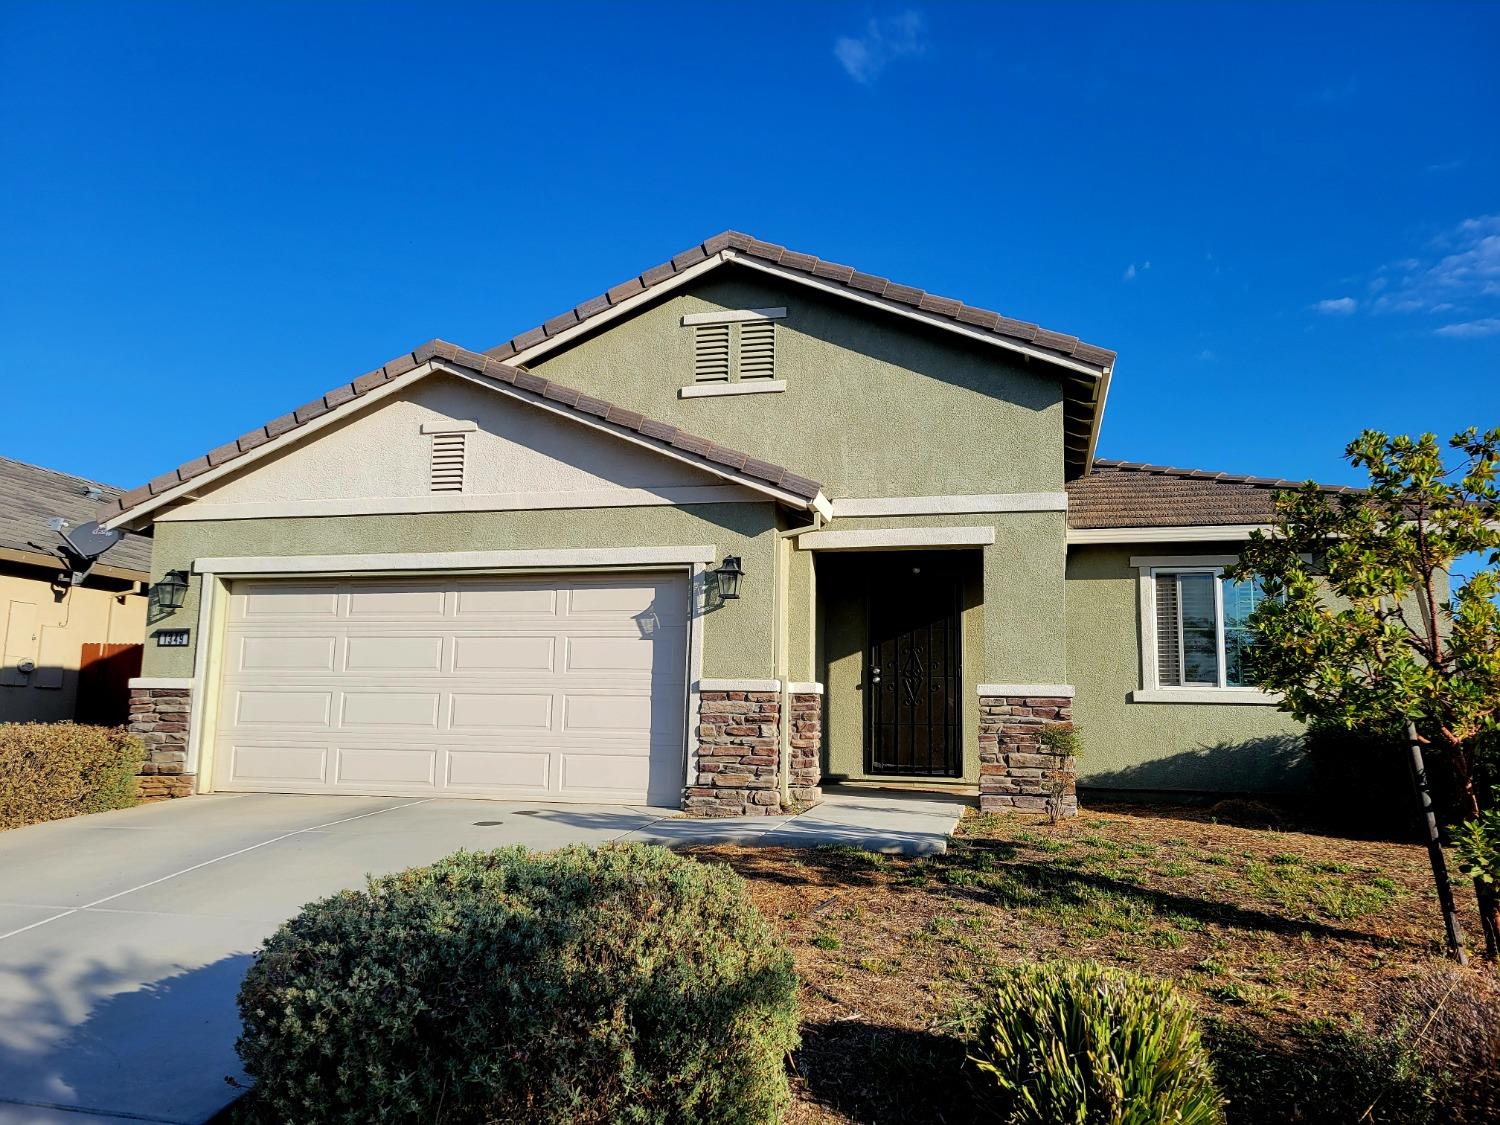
875	1073
994	873
989	872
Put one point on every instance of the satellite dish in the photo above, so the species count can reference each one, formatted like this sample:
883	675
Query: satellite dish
88	541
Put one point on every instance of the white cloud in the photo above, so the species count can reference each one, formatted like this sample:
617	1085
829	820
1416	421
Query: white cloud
1471	329
1460	272
1337	306
1446	166
1132	271
884	40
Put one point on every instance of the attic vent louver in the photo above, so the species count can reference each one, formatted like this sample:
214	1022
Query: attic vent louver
711	353
448	462
758	349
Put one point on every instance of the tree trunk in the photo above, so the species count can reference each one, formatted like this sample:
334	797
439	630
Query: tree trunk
1434	845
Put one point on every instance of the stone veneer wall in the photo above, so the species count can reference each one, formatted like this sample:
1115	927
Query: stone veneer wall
159	716
1017	771
734	768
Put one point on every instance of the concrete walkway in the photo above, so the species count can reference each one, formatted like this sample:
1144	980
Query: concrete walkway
124	936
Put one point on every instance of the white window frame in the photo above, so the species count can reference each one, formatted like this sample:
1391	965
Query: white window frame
1151	689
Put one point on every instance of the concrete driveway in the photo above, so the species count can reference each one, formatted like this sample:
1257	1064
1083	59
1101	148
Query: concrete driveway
124	936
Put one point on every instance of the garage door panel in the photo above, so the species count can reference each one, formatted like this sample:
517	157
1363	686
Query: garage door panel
285	653
500	711
395	601
394	653
258	602
499	770
504	654
273	707
268	764
564	688
624	715
593	653
366	766
606	774
524	600
390	709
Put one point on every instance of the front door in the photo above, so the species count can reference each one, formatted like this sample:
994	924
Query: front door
913	682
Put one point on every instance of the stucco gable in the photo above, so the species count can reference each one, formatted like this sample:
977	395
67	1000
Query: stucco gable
543	396
869	405
381	460
1085	369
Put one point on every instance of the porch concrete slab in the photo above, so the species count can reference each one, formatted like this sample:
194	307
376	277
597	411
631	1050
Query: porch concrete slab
683	832
887	821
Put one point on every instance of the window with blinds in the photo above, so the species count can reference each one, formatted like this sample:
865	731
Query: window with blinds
1203	635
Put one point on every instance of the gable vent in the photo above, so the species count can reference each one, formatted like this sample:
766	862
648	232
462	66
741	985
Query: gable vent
448	462
758	349
711	353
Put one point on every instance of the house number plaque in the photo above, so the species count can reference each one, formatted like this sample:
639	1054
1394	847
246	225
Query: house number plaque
172	638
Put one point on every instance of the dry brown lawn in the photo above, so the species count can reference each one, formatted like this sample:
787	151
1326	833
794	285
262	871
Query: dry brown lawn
1269	932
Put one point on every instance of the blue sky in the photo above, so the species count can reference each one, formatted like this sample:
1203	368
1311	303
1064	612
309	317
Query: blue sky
1285	218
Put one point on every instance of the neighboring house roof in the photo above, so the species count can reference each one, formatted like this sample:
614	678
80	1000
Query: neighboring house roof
31	495
1085	388
1133	494
708	455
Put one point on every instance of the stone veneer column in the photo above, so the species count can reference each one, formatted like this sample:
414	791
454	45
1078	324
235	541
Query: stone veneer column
159	717
734	770
1017	770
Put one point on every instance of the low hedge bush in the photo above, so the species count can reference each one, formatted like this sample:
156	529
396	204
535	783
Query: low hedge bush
626	984
1081	1044
52	770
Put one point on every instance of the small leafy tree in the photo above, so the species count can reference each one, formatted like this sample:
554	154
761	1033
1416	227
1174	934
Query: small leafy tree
1360	628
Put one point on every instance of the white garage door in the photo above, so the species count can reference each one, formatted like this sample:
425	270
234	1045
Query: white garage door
541	687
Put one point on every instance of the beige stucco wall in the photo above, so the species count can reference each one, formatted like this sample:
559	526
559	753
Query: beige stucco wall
738	637
51	632
875	405
380	451
1158	746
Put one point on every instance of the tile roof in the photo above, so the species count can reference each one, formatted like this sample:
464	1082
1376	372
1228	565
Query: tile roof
31	495
1135	494
1081	405
710	454
1059	343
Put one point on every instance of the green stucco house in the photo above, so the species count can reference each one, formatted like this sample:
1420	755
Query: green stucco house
744	524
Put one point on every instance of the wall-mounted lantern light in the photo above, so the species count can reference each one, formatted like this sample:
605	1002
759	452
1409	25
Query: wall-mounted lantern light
728	575
171	590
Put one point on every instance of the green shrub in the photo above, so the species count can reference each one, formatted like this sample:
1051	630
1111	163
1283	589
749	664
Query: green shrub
626	984
52	770
1477	843
1082	1044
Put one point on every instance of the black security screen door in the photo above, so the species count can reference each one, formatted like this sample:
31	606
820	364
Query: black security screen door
912	683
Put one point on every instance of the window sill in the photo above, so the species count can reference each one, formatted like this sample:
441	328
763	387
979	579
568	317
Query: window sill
1251	697
714	390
